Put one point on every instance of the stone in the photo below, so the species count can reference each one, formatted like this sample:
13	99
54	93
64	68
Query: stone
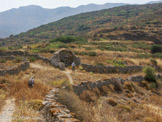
64	58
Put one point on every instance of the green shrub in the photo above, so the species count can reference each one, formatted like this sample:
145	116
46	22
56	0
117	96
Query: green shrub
57	45
17	60
3	61
156	49
3	49
119	63
92	53
68	39
150	74
89	48
31	59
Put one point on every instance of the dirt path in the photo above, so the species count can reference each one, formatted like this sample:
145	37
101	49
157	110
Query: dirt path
38	66
68	72
7	111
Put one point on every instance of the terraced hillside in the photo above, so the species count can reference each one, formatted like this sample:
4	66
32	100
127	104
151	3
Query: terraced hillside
131	22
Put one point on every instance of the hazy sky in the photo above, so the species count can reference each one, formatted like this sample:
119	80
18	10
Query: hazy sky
8	4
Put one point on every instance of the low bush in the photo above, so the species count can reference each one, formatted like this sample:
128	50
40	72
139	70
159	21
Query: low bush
119	63
150	74
69	39
31	59
92	53
17	60
156	49
3	60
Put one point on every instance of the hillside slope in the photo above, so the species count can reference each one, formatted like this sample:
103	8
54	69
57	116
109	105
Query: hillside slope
136	22
24	18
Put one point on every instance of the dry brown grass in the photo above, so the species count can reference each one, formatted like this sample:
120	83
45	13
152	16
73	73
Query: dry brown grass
8	64
24	113
84	111
4	91
45	73
21	91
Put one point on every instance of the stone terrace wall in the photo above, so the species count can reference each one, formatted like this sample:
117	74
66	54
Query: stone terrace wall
54	111
15	70
111	69
24	54
78	89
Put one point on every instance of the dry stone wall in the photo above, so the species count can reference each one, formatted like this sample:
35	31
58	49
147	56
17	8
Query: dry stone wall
54	111
24	54
78	89
15	70
111	69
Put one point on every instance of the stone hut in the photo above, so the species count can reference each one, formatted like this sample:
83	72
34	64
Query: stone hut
64	58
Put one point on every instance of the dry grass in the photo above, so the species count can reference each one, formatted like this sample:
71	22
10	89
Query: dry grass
45	73
83	76
4	90
21	91
8	64
24	113
84	111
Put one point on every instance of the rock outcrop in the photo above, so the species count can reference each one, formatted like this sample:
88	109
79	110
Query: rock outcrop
64	58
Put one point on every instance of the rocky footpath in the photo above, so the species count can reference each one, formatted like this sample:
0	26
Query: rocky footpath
54	111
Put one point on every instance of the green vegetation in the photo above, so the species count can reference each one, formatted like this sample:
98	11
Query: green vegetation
92	53
17	59
69	39
31	59
156	49
150	74
147	55
3	49
117	63
3	60
141	45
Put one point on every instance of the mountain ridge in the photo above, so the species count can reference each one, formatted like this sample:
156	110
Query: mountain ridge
17	20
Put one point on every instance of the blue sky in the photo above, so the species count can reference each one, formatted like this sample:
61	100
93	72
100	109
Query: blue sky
8	4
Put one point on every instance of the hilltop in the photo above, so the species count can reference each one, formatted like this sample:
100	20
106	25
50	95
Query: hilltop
19	20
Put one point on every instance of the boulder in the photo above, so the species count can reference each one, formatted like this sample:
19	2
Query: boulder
64	58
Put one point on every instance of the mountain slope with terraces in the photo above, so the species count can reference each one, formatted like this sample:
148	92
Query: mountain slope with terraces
130	22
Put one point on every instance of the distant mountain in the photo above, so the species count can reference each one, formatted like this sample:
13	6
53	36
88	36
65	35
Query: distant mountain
19	20
152	2
130	22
